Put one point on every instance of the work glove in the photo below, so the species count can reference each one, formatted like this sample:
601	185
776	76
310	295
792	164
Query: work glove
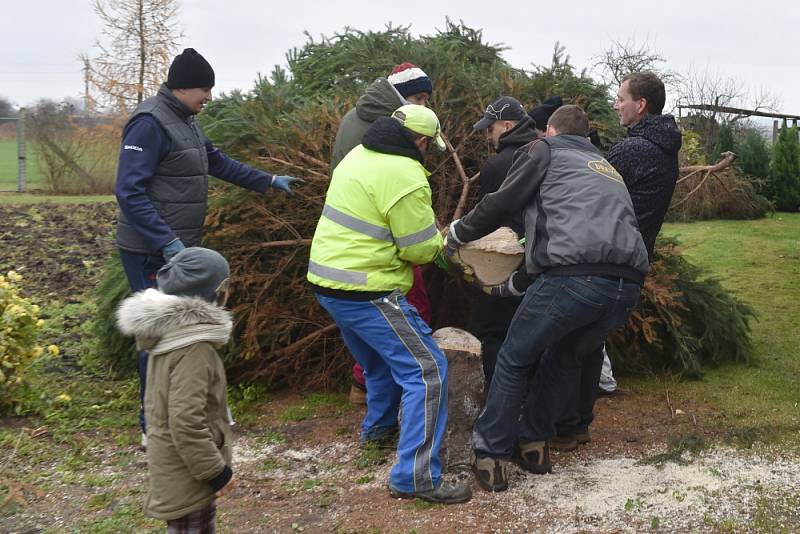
451	242
451	246
515	286
172	248
284	183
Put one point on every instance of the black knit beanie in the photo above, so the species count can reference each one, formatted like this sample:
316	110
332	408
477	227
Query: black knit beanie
541	113
190	70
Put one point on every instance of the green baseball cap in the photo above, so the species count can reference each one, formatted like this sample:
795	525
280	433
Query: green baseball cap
421	120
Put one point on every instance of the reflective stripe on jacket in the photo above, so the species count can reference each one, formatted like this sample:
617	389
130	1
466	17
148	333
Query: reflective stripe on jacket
376	224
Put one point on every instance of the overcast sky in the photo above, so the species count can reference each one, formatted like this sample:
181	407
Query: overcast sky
754	42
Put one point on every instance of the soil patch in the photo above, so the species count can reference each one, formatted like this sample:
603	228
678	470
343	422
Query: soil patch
58	249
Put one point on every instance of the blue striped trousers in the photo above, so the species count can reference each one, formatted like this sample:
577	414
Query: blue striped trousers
402	365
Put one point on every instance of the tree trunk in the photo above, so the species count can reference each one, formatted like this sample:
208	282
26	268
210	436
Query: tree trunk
142	54
465	393
494	257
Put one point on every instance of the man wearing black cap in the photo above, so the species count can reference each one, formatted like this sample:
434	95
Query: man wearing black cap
507	128
162	176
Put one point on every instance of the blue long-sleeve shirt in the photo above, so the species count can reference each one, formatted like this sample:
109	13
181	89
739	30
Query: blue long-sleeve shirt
144	145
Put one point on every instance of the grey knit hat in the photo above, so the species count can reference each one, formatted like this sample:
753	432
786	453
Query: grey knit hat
194	272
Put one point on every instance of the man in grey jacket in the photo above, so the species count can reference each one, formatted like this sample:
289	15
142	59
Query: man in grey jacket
583	244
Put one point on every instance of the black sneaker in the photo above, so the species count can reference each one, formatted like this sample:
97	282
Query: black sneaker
445	493
491	474
534	457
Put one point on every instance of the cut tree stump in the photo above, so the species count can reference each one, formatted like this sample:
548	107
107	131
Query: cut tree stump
494	257
465	393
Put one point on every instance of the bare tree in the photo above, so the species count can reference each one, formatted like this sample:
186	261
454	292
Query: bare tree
714	90
624	57
139	39
716	99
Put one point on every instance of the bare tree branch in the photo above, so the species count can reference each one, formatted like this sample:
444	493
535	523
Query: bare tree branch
625	57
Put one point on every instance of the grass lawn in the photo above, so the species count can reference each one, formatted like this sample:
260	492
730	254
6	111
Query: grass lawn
759	261
8	166
26	198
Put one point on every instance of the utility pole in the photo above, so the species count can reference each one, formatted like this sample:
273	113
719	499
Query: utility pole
86	100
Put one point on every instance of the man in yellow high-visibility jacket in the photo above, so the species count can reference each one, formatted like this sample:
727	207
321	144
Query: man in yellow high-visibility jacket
376	225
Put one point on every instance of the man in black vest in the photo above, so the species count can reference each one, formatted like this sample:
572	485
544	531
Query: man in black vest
162	177
508	128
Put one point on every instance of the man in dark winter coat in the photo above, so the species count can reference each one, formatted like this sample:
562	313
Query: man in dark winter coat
647	159
508	128
162	176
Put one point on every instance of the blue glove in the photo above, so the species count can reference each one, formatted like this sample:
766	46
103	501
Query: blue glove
284	183
172	248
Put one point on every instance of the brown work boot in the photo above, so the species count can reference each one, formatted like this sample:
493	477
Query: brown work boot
534	457
564	443
358	395
491	474
583	436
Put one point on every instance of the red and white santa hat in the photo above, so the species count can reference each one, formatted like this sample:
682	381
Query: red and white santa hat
409	80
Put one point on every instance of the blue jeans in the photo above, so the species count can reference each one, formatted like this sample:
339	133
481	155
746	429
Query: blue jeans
580	414
141	271
561	323
402	365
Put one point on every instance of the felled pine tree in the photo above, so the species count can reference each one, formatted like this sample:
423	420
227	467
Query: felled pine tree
684	321
714	189
287	124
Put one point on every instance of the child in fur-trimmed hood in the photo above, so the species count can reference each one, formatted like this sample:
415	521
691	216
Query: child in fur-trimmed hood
181	325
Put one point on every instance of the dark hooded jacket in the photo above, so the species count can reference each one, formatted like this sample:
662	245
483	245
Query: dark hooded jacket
648	161
494	171
380	99
490	317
